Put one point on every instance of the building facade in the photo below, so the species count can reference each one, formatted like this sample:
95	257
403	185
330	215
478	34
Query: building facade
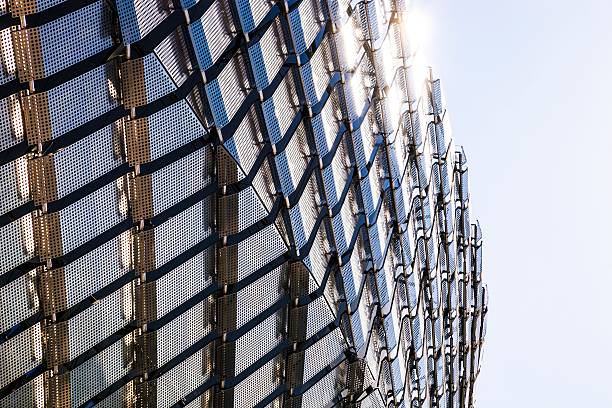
230	203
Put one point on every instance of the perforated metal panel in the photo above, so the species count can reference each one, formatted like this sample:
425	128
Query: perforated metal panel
230	203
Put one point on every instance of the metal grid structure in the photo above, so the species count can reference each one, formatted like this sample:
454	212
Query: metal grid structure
230	203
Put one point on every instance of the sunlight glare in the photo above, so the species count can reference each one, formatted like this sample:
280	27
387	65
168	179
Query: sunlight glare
417	28
349	43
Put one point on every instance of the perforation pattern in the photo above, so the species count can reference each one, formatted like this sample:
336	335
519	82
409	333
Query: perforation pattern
319	316
257	342
280	110
15	191
184	282
7	57
258	385
259	10
16	242
20	354
189	327
233	87
89	217
28	54
62	39
264	186
273	49
11	121
27	395
88	159
297	156
96	323
82	99
173	54
262	247
96	269
330	347
182	379
305	23
36	118
139	17
247	141
324	390
145	80
182	231
98	373
18	301
217	25
321	224
194	168
166	134
249	300
322	67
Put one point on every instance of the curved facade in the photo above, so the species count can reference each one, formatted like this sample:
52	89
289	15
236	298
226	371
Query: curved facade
230	203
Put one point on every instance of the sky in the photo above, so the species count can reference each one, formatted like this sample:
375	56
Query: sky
528	85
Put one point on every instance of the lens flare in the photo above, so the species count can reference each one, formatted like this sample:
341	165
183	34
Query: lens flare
417	29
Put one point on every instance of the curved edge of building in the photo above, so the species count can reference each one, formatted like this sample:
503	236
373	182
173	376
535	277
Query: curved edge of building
230	203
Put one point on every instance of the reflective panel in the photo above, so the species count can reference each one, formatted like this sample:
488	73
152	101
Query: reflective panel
231	203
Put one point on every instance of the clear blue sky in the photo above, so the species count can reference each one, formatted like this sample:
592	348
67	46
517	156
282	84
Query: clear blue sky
529	88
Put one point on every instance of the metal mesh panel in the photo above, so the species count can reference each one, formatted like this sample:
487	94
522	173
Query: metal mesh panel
28	395
258	250
182	379
139	17
247	141
82	99
96	269
11	121
194	168
233	204
217	26
77	224
62	39
256	343
7	62
323	391
88	159
19	301
273	50
251	303
15	192
174	56
20	354
322	353
184	282
98	373
279	110
182	231
96	323
251	13
17	243
182	332
227	92
162	124
258	385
